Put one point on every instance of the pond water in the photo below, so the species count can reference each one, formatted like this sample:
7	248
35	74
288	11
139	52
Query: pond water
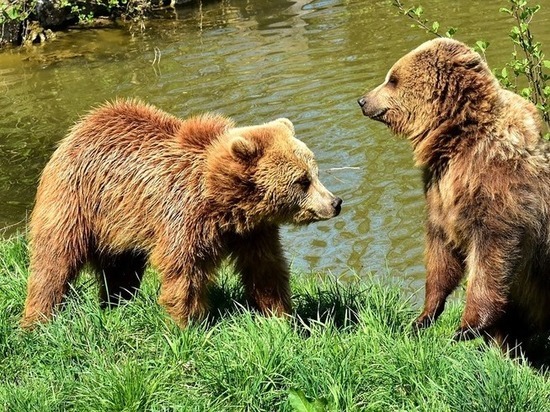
255	60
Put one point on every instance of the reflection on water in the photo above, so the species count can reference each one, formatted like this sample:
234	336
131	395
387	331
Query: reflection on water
254	60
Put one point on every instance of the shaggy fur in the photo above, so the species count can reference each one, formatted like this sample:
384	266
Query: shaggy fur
487	186
131	183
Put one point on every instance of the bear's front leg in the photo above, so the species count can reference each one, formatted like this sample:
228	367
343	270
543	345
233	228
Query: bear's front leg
184	296
493	262
260	260
444	271
185	281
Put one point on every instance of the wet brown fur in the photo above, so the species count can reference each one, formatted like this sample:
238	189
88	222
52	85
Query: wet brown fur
132	184
487	186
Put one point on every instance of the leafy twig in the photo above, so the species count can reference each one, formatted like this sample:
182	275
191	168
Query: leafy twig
416	14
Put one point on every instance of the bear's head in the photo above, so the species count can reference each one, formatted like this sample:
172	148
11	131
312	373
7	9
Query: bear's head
441	83
266	175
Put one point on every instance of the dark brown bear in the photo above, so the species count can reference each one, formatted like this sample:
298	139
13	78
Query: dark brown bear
487	186
131	183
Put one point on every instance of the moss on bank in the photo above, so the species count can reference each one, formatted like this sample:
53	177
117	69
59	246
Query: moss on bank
348	347
34	21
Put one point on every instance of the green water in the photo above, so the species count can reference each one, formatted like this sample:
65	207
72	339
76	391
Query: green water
255	60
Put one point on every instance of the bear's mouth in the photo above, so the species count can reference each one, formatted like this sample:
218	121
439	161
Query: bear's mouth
379	116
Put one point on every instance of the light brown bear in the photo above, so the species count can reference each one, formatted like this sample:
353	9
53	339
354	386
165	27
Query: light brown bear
487	185
131	183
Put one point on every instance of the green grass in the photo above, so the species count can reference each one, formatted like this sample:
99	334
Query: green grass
347	348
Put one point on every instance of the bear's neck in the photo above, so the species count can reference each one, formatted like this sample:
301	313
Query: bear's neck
435	147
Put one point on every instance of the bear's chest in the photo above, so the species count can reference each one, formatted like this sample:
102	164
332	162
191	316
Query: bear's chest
447	205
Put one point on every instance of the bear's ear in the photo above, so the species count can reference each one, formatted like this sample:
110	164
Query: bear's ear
470	61
287	123
243	149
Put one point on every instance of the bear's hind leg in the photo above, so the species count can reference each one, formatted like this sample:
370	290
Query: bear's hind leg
120	276
53	266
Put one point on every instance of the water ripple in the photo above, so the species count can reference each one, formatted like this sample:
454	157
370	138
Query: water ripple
254	60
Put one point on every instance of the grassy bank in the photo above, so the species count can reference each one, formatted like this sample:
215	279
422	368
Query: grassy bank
348	348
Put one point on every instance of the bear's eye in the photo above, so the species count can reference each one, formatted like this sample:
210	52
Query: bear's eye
304	182
392	81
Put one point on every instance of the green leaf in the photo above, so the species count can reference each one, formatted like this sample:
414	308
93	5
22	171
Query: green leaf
299	402
523	27
320	405
451	32
435	26
546	63
13	13
481	46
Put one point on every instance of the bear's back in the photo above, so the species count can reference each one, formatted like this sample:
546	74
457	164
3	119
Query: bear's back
129	165
129	125
123	124
131	138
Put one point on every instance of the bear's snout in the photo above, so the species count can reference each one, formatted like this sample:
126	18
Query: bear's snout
327	205
367	105
337	205
364	106
372	107
320	204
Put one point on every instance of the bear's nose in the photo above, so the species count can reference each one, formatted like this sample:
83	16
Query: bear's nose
337	204
361	102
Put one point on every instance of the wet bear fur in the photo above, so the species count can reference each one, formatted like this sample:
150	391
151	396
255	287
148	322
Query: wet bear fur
487	186
132	184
